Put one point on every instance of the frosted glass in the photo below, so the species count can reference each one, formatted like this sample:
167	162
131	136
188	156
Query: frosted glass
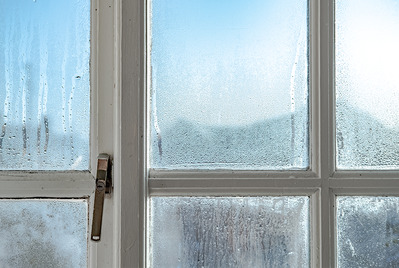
367	84
44	84
229	232
229	84
43	233
368	231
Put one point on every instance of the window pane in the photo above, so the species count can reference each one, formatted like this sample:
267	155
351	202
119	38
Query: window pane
44	84
43	233
368	231
367	84
229	232
229	84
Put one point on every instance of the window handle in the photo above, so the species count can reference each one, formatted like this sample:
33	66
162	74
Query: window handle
103	186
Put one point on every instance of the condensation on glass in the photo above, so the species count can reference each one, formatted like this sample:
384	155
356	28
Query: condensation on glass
368	231
367	84
228	84
43	233
44	84
229	232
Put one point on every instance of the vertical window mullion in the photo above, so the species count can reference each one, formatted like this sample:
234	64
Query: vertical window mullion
326	131
131	187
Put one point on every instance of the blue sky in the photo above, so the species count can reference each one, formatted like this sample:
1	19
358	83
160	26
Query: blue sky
228	62
45	81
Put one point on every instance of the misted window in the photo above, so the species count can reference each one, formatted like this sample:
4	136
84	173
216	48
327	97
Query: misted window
367	128
228	87
239	99
45	126
45	89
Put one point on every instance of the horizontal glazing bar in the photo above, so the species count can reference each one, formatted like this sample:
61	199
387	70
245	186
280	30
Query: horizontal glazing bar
232	192
364	183
229	174
45	175
367	174
46	186
233	186
361	191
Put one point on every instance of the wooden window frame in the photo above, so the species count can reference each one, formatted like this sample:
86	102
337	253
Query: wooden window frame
104	105
322	182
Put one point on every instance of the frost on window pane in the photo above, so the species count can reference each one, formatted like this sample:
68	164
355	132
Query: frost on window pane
43	233
229	84
229	232
44	84
367	84
368	232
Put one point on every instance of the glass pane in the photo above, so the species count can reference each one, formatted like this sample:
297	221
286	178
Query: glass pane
367	84
229	232
43	233
44	84
229	84
368	231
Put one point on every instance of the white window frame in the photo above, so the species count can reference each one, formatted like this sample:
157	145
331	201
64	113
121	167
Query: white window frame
104	105
322	183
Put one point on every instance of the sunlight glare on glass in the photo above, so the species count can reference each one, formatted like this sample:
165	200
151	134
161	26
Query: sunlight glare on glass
367	84
370	37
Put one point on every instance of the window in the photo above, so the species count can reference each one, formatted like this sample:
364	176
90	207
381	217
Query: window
350	178
224	95
327	186
57	94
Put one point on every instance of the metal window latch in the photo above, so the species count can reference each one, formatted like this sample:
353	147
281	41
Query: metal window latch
103	186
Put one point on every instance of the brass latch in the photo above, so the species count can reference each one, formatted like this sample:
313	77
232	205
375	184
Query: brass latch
103	186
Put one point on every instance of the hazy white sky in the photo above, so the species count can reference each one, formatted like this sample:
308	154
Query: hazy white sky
368	56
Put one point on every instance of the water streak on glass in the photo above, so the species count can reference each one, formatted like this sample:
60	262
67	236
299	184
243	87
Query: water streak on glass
367	84
44	84
43	233
229	232
368	232
228	84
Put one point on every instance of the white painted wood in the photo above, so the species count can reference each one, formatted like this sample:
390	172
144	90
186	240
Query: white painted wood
118	107
367	174
66	184
375	183
317	144
315	230
131	186
322	182
228	174
314	86
61	185
103	109
225	187
117	136
93	85
233	191
326	123
45	175
332	229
